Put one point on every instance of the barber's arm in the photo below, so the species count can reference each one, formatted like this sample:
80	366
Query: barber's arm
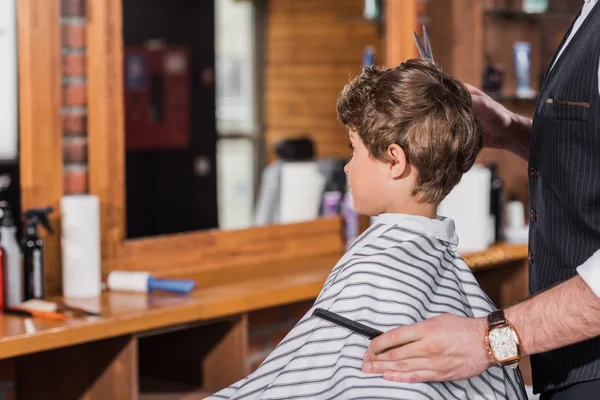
449	347
566	314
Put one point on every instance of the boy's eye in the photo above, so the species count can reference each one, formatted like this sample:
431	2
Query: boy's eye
350	146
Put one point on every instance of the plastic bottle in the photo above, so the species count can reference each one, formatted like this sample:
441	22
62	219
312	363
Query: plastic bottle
350	220
368	57
334	194
535	6
33	252
371	9
13	273
496	203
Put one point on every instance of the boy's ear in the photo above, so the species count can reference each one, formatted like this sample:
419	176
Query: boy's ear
397	159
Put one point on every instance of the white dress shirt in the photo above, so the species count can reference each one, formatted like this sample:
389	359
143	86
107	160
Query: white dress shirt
587	8
590	269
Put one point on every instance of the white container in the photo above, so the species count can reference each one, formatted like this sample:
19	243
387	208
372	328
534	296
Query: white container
516	230
81	246
515	214
13	275
468	204
535	6
8	81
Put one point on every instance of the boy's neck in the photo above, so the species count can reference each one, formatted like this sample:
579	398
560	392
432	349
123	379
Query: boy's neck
414	208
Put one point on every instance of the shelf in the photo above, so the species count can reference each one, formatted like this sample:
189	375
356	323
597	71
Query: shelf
510	13
152	389
219	295
496	255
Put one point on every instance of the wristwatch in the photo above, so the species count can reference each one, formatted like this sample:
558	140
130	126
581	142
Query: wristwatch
502	340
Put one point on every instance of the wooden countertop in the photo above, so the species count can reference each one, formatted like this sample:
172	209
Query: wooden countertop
219	294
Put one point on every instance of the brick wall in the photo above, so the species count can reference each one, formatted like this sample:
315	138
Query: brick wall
74	111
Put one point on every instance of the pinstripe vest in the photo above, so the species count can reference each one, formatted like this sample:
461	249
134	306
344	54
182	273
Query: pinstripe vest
564	190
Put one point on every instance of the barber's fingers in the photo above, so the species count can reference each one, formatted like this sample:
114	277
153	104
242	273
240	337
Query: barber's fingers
414	376
406	365
410	350
472	89
411	371
397	337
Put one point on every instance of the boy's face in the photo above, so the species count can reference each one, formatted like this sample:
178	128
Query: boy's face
368	179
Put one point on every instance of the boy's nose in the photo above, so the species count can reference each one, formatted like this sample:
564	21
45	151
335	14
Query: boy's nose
346	170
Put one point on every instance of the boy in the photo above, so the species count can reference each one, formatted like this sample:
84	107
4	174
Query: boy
413	134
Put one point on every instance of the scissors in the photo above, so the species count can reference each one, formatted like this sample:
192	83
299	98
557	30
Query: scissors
424	46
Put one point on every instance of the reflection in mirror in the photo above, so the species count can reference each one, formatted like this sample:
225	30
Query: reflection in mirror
239	134
193	134
176	118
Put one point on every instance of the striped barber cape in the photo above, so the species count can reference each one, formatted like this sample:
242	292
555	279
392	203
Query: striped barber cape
403	269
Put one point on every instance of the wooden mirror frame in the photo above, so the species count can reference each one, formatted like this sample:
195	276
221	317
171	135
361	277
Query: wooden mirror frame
40	128
179	254
41	151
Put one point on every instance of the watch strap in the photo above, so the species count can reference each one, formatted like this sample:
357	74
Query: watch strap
496	319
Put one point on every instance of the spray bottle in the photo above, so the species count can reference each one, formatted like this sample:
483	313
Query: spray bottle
13	274
33	252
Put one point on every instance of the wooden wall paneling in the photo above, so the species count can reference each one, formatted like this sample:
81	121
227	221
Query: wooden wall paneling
400	21
40	130
106	144
441	33
456	33
101	370
312	48
190	254
467	44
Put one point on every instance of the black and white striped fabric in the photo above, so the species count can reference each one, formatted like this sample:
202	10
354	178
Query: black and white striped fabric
404	269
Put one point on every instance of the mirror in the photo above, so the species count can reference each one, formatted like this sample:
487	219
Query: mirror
193	131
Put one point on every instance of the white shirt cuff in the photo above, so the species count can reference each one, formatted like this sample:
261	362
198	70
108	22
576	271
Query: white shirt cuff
590	272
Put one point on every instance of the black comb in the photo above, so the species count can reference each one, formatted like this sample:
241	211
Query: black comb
352	326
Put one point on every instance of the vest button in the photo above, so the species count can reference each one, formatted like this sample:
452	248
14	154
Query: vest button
533	173
532	215
530	258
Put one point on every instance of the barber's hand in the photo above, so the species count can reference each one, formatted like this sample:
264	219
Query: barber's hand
495	118
442	348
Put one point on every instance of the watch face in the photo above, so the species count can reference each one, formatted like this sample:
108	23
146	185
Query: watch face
503	344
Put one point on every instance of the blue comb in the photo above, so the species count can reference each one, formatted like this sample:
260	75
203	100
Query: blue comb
181	286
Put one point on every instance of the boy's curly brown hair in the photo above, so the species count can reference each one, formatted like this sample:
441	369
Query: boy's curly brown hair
426	112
